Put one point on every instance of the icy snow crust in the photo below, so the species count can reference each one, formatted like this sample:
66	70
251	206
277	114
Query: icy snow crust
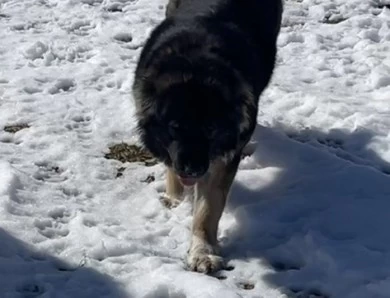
309	210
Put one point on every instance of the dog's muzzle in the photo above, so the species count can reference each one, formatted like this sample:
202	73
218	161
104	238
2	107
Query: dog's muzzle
190	162
189	178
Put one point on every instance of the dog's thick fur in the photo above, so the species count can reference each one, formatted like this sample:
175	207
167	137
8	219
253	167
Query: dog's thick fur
196	89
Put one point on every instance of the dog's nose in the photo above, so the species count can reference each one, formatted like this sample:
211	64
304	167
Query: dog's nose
189	172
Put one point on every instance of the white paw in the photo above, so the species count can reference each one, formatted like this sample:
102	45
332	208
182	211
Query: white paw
169	202
205	263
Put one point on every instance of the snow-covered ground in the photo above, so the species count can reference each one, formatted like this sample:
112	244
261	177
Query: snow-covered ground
309	212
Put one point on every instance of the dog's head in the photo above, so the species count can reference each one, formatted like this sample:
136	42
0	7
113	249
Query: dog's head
189	125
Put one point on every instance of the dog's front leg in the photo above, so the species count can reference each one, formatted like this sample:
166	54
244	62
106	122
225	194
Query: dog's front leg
174	190
210	198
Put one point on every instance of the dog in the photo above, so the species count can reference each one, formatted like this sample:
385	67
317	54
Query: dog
196	89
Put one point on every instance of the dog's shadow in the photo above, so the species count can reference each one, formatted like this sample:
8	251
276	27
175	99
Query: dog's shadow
26	272
314	208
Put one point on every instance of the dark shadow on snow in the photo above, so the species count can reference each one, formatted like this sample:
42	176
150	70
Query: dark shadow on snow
349	146
27	273
332	191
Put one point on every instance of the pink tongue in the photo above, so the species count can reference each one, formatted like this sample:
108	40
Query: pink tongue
188	181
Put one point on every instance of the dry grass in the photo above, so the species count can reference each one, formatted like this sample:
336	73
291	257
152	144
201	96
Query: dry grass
15	127
130	153
246	285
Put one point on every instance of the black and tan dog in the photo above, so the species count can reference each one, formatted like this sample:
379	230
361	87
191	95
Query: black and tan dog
196	90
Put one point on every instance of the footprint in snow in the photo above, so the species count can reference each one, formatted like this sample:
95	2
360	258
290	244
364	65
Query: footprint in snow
36	51
70	191
114	7
4	16
123	37
62	85
49	173
22	26
32	90
55	224
283	266
81	27
292	37
91	2
60	214
31	290
51	228
81	122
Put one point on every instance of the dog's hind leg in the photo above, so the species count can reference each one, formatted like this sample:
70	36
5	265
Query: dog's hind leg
210	198
174	190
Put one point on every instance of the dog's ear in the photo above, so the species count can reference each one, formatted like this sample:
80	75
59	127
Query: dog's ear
171	7
170	69
144	93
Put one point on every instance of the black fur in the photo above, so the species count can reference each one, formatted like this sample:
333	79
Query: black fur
199	78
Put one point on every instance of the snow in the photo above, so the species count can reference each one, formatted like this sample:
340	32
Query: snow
308	211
